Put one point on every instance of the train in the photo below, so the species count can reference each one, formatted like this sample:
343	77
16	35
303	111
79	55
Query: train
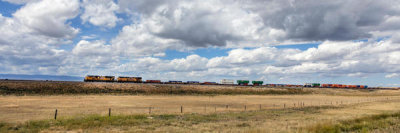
126	79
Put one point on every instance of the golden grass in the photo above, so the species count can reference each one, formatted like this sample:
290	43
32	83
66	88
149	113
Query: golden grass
42	98
23	108
271	120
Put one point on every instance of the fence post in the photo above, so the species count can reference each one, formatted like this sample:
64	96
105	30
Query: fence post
181	109
215	109
227	106
149	110
55	115
245	107
109	112
260	106
284	105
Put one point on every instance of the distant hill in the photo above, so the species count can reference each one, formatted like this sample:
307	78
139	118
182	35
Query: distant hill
40	77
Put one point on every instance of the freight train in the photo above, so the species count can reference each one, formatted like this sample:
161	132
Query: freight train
121	79
96	78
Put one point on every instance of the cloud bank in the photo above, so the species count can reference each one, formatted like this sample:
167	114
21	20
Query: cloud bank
357	38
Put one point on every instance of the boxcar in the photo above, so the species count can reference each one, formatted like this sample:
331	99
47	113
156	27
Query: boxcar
153	81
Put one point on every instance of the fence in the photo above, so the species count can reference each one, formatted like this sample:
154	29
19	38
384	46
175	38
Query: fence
221	108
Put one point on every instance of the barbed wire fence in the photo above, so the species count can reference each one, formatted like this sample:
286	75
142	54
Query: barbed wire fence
223	108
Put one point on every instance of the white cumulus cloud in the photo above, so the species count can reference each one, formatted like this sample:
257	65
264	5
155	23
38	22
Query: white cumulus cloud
100	12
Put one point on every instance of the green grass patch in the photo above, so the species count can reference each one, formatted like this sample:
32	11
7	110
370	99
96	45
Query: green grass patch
364	124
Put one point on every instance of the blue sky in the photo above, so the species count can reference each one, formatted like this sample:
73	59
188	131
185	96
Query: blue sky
204	40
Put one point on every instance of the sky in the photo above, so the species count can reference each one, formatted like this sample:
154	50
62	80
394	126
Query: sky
276	41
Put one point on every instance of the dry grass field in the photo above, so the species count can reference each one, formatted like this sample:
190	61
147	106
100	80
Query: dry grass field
23	108
212	110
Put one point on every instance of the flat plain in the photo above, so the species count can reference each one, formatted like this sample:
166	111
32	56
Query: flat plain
317	110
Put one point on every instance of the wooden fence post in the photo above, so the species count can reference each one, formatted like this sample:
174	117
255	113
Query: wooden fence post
284	105
109	112
149	110
245	107
260	106
55	115
181	109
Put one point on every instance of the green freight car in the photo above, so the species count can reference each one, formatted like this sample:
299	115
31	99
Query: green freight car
312	85
256	83
316	84
243	82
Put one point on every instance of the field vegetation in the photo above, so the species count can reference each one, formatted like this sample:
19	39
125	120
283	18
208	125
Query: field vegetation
274	120
73	88
386	122
56	88
29	106
143	122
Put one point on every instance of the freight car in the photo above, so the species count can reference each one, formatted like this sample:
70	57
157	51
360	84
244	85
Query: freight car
271	85
312	85
243	82
130	79
192	82
257	83
153	81
227	82
209	83
327	85
174	82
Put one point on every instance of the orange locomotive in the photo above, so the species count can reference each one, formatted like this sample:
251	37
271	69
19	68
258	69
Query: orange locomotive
96	78
130	79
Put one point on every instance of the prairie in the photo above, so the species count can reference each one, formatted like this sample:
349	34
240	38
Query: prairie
29	106
324	118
